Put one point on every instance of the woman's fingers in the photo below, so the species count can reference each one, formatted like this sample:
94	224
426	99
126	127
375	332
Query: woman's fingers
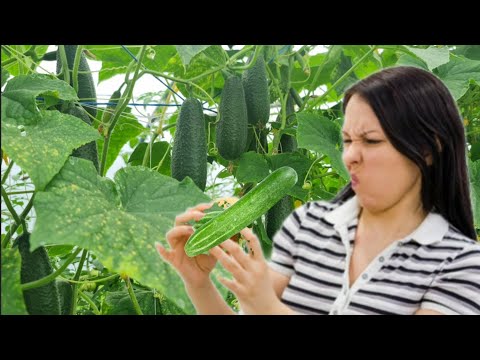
236	251
187	216
229	263
254	247
178	233
231	285
167	255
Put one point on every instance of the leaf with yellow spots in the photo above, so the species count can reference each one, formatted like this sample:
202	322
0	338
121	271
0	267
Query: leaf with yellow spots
39	140
12	296
119	221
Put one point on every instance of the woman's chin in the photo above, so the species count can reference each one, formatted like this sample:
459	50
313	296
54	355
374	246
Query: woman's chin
369	203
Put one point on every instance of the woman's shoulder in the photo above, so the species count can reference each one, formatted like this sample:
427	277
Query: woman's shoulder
454	236
456	245
316	208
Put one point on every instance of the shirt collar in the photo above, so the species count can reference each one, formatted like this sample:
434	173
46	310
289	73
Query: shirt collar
431	230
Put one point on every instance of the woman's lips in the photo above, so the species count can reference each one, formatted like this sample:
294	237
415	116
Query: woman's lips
355	180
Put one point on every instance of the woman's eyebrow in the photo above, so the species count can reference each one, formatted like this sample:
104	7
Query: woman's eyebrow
361	134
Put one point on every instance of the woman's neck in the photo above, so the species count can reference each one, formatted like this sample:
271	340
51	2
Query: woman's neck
391	224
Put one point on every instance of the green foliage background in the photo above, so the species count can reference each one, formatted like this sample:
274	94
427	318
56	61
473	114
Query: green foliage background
99	233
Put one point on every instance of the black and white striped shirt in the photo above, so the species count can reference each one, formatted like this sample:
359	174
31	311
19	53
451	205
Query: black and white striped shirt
435	267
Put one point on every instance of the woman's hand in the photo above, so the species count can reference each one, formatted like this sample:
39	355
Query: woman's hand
193	270
251	284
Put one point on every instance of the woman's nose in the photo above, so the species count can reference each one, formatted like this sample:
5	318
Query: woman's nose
351	154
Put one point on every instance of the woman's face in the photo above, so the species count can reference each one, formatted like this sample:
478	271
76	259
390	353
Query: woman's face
381	176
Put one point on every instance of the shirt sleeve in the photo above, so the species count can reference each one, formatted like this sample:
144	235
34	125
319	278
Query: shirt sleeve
456	288
284	242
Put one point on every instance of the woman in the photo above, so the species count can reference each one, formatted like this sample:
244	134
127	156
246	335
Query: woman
399	239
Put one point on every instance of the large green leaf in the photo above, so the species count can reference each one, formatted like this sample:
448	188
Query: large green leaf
410	60
119	221
320	134
126	128
300	163
252	167
344	65
299	79
40	141
210	58
12	296
5	76
115	58
469	51
187	52
474	172
475	151
330	62
24	89
367	65
432	56
17	68
457	74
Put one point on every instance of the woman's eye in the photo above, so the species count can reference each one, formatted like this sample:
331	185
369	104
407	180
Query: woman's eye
346	141
369	141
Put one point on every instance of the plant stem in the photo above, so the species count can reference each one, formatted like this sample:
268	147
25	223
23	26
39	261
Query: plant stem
198	77
163	158
343	77
94	281
15	226
90	302
30	51
314	161
136	306
5	175
20	192
8	61
119	109
76	277
10	207
241	53
258	49
52	276
76	64
65	68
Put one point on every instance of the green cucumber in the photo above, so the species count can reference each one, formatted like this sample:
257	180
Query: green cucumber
86	85
257	97
189	152
89	150
65	296
36	265
277	215
231	129
249	208
208	216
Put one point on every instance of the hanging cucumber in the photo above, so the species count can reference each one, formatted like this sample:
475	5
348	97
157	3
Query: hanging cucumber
36	265
189	153
257	96
231	130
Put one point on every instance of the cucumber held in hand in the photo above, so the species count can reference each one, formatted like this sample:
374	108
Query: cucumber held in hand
249	208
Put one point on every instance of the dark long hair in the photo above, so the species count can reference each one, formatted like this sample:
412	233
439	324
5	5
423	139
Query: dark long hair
420	117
